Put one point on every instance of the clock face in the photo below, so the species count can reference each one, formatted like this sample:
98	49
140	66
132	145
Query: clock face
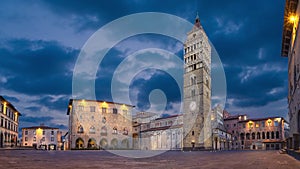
193	106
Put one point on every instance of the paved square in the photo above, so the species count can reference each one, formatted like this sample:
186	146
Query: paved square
173	159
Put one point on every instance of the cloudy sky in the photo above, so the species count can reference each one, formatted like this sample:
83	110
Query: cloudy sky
41	40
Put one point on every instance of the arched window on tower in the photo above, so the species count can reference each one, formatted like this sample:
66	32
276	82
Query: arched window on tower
277	134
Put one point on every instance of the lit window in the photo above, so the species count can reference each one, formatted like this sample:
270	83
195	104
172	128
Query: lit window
103	109
256	125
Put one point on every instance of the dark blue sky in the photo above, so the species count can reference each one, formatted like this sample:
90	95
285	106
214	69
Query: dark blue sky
40	42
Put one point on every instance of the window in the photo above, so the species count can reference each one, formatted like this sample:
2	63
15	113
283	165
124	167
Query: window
234	125
242	136
193	92
34	139
115	131
125	131
115	111
26	132
104	120
103	109
44	132
256	125
248	136
26	138
80	129
34	132
272	135
232	131
258	135
193	133
253	136
262	124
81	108
277	134
52	139
263	135
92	108
103	131
43	139
275	123
244	125
268	135
92	130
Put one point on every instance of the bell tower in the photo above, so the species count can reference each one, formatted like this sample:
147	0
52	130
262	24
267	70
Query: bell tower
197	90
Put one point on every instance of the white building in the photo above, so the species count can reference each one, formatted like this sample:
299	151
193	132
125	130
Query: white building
162	134
41	137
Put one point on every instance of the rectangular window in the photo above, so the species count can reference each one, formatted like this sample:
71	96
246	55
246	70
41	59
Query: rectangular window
52	132
256	125
44	132
103	109
115	111
80	108
275	123
92	108
26	138
26	132
263	124
52	139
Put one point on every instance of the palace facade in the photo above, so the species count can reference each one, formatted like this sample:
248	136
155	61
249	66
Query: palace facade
9	124
291	50
97	124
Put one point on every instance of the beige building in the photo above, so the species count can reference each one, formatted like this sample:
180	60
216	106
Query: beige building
257	134
197	90
9	124
97	124
291	49
42	137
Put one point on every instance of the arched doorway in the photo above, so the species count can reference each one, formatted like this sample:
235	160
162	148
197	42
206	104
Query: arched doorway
103	144
1	139
298	121
114	143
91	143
79	143
125	144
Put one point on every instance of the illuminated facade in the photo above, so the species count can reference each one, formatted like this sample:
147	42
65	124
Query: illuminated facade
9	124
291	49
42	137
99	124
197	90
257	134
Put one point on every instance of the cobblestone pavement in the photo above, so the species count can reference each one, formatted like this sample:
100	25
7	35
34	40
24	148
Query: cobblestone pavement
172	159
